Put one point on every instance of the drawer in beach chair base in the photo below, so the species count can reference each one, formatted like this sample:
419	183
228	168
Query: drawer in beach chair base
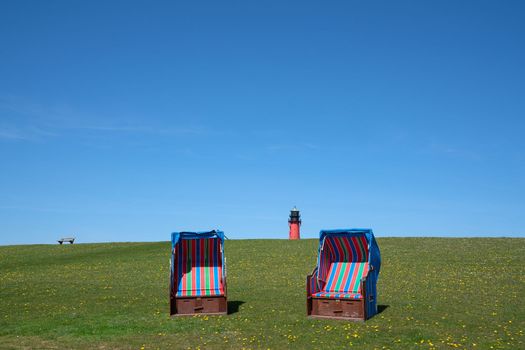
338	308
204	305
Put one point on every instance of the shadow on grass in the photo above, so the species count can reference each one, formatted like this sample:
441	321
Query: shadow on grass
233	306
381	308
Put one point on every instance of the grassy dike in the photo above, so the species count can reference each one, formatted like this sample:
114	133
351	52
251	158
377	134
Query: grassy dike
434	293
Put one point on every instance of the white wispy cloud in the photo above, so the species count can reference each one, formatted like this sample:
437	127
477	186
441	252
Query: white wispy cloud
143	129
454	151
11	135
24	120
291	147
37	209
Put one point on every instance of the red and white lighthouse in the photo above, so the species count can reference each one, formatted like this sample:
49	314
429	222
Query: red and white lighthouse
295	223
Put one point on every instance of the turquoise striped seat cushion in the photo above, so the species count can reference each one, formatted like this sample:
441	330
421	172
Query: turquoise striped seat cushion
344	280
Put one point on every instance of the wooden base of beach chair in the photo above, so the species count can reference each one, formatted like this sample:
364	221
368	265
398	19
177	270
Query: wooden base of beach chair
185	306
342	309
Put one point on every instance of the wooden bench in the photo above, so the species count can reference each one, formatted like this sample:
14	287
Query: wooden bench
66	239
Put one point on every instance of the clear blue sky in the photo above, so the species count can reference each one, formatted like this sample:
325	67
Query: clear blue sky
126	120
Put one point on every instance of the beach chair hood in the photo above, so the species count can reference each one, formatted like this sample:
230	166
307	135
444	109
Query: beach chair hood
177	236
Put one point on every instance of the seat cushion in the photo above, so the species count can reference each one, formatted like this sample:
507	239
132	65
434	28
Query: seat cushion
345	277
335	295
201	281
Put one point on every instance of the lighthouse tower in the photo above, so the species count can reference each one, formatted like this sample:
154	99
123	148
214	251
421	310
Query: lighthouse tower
294	222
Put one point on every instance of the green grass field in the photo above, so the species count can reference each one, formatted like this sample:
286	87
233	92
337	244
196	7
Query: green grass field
432	292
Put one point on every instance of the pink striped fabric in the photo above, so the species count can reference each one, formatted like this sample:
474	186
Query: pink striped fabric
341	249
198	267
343	262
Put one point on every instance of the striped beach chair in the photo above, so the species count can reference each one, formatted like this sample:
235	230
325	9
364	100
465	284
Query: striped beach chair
343	284
198	274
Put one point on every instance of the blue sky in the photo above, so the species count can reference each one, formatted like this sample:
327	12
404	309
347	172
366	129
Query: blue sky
127	120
